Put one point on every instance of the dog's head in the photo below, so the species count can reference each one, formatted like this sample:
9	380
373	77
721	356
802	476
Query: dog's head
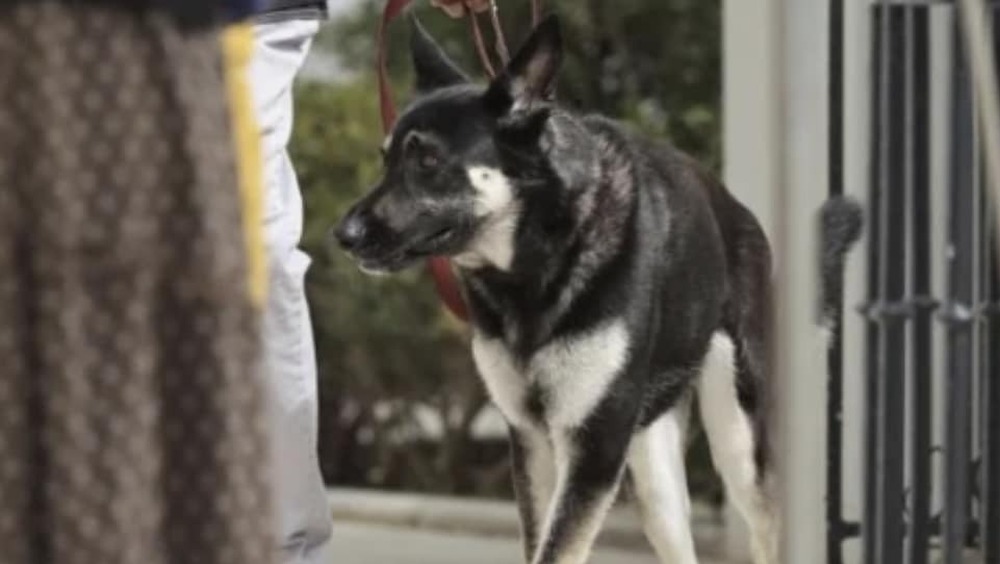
454	161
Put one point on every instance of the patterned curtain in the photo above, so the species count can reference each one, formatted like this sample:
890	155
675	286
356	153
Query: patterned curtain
131	415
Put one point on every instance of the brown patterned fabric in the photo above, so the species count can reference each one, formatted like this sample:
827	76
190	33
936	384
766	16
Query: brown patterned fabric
131	426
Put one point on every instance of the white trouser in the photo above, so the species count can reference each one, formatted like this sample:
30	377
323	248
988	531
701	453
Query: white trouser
302	514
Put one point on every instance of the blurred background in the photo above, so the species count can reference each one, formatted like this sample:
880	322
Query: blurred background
401	405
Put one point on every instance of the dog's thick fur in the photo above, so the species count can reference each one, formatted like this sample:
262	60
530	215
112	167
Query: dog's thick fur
611	281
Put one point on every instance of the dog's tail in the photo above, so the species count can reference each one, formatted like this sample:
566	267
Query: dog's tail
841	226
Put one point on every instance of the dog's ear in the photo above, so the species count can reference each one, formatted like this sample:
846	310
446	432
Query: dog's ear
523	127
531	75
432	66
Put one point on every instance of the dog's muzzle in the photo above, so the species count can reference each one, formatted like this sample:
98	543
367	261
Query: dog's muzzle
380	249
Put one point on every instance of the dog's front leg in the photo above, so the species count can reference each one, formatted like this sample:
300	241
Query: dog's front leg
533	468
588	472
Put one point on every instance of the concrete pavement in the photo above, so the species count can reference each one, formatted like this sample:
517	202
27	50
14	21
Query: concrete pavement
356	543
375	527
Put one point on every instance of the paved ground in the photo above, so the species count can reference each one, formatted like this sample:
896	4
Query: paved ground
378	544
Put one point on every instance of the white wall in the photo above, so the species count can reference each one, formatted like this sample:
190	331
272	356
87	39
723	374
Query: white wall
776	161
748	59
750	173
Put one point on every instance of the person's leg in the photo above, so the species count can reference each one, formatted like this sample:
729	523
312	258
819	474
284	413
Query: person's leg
303	517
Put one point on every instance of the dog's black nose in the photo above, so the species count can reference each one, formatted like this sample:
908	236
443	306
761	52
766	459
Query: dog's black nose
350	232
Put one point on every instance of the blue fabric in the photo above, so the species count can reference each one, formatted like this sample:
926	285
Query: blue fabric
282	5
210	12
240	9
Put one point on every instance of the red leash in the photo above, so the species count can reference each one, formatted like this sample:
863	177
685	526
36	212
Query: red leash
440	267
392	9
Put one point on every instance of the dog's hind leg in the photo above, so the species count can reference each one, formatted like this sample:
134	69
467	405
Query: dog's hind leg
656	463
733	444
533	467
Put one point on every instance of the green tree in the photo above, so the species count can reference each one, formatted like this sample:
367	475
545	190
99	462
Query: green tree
655	63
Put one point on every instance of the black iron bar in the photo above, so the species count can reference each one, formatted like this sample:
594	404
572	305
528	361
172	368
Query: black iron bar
958	317
891	312
835	369
918	168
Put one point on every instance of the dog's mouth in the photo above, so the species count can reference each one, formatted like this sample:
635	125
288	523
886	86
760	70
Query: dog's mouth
435	243
439	242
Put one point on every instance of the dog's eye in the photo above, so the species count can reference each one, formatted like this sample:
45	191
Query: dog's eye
429	161
424	154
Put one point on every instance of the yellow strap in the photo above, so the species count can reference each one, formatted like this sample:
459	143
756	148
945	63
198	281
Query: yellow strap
237	43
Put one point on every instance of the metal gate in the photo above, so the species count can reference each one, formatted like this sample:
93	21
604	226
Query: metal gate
932	365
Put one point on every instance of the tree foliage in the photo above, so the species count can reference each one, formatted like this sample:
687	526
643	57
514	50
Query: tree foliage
653	62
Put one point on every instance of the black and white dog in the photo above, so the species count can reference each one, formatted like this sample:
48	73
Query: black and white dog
611	281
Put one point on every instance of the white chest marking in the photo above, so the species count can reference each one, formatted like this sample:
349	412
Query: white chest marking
573	374
496	207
